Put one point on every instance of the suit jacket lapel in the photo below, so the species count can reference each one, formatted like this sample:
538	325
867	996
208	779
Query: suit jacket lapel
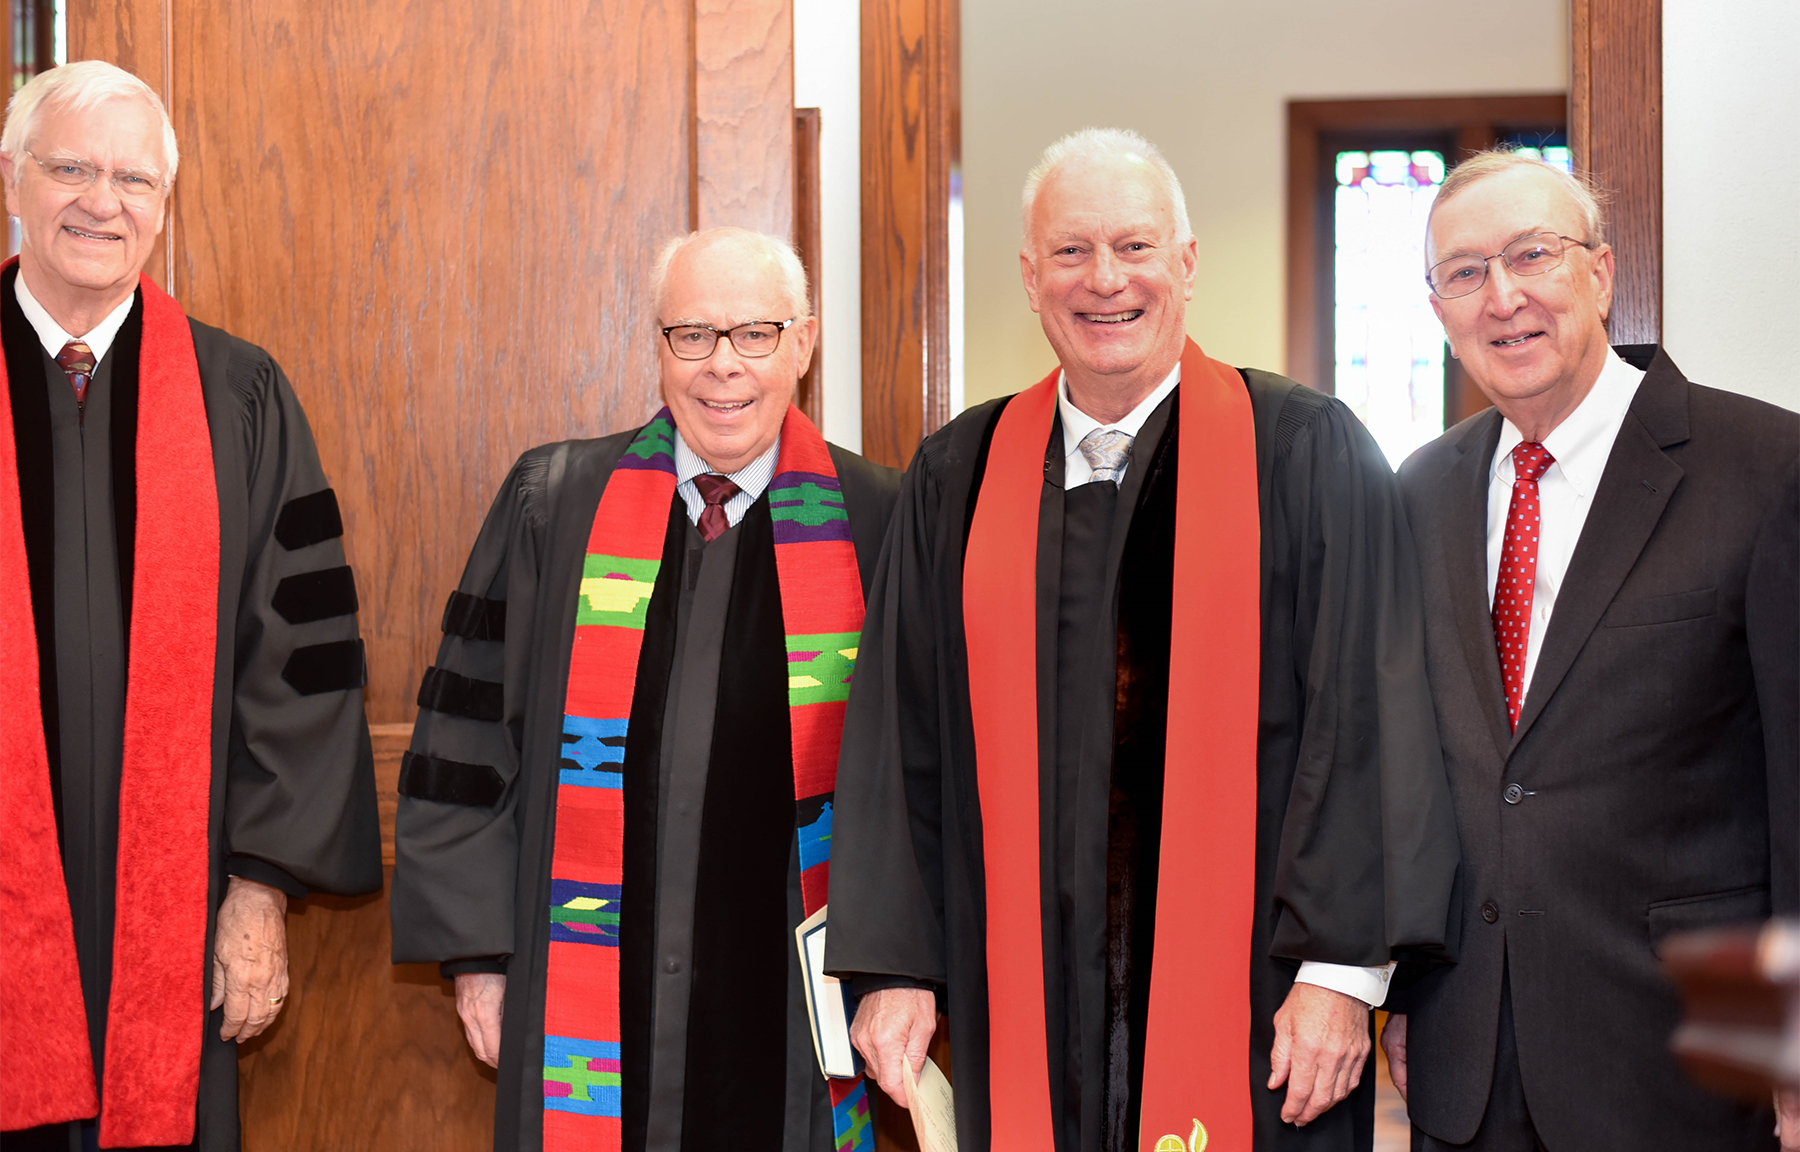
1465	556
1634	489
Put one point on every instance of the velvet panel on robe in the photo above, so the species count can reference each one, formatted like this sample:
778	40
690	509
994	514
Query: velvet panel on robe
293	796
1356	848
471	885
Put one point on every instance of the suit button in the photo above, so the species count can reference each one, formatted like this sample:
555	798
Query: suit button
1489	912
1513	794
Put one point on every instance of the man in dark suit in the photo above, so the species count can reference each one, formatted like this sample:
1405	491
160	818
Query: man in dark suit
1610	574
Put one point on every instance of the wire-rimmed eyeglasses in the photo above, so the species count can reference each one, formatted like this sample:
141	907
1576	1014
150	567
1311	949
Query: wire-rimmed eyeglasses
131	183
755	339
1531	255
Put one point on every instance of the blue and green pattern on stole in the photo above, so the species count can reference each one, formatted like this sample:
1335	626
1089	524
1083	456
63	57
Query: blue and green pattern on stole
851	1124
582	1076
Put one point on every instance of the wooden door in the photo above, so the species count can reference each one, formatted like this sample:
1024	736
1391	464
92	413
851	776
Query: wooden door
440	219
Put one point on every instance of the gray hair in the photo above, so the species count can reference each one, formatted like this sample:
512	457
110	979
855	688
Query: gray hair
78	87
787	262
1094	144
1589	197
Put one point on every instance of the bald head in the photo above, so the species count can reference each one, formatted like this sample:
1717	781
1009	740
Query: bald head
749	253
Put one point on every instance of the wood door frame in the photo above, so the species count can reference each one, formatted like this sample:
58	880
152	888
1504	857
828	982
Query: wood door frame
1615	130
911	151
1475	122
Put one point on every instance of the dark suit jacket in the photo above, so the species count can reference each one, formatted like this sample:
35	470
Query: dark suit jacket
1656	762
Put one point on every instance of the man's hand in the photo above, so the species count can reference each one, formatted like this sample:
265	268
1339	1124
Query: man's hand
1787	1118
250	960
894	1026
1321	1041
481	1002
1393	1042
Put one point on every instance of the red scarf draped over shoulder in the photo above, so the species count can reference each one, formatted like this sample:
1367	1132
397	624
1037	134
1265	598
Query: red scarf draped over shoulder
157	1009
1196	1091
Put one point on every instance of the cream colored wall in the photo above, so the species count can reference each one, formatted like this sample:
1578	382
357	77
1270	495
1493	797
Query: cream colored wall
1207	81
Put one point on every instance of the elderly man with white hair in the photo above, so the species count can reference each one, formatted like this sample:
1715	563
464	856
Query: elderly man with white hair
184	746
618	803
1139	771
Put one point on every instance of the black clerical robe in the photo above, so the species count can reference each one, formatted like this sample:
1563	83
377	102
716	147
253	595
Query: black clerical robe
293	790
1355	848
715	1045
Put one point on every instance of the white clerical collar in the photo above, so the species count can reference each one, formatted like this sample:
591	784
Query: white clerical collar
1583	442
751	479
51	335
1077	424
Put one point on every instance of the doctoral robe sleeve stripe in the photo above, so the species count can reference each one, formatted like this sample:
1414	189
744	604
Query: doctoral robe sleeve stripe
450	781
312	596
307	520
459	695
319	668
475	617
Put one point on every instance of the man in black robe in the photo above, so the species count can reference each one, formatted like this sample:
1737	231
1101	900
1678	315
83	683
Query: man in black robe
88	157
1354	850
716	1050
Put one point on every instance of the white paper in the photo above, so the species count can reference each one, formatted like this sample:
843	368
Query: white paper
828	1006
933	1108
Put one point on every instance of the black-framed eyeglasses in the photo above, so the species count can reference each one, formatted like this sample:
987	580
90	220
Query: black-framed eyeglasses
1531	255
756	339
130	183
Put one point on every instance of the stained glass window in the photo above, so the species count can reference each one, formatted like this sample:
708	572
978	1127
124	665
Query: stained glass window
1390	346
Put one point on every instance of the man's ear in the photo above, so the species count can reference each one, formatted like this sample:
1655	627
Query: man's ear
1190	265
805	334
9	171
1028	270
1603	278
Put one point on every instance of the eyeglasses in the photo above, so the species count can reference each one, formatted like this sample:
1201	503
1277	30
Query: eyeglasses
696	341
129	183
1527	256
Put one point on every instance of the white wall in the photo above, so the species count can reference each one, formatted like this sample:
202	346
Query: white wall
1731	194
1206	80
828	76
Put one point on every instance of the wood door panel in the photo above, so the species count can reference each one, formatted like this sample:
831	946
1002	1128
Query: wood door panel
744	115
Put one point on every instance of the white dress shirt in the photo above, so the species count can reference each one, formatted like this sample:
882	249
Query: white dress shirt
1581	445
51	335
1370	985
1077	424
751	479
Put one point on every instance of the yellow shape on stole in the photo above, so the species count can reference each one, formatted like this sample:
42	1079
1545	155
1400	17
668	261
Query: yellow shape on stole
1196	1141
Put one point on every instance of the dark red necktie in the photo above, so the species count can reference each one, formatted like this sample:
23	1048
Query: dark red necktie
715	490
1518	572
77	361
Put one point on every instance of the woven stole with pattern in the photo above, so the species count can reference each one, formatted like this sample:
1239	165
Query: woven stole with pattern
822	613
156	1010
1196	1090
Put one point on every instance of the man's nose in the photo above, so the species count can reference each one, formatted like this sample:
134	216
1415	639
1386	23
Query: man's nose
1505	293
725	360
100	199
1106	276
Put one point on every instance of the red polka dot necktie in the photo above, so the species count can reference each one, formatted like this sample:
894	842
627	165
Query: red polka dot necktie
716	490
77	362
1518	572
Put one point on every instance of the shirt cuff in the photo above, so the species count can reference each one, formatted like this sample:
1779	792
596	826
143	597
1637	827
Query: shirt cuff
1370	985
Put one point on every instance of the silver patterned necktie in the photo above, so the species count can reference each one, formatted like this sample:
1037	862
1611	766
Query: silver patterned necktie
1108	451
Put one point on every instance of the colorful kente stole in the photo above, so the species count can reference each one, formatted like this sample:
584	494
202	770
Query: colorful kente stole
156	1012
1196	1090
822	612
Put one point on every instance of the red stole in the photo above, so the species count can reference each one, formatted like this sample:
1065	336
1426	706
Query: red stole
1196	1089
156	1015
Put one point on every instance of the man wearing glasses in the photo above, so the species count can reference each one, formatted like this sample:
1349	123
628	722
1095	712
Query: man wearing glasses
184	746
617	807
1609	557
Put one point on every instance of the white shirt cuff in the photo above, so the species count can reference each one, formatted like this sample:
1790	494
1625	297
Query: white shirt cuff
1370	985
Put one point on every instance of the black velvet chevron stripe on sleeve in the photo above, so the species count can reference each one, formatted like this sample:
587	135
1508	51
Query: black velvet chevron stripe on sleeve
308	520
312	596
449	781
475	617
457	695
334	667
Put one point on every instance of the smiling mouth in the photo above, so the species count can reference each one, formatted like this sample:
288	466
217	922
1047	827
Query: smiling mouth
1111	317
73	231
726	406
1516	340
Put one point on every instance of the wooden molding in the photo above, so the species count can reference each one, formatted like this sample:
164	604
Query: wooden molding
807	243
911	147
1464	123
1615	130
743	77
